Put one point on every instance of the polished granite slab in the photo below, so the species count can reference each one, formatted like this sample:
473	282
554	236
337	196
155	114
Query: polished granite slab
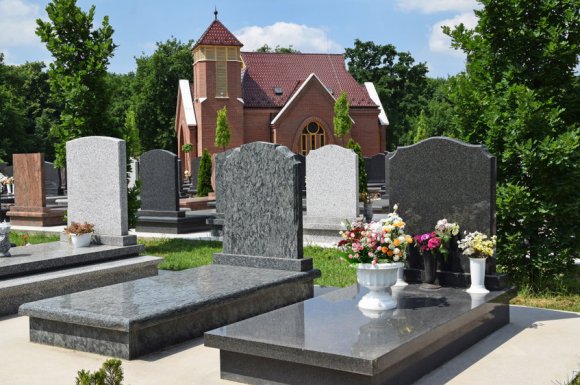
328	340
33	259
134	318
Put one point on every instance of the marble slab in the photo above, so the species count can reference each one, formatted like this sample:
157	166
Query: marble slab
328	340
134	318
55	255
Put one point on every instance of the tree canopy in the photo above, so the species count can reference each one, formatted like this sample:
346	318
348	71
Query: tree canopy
77	76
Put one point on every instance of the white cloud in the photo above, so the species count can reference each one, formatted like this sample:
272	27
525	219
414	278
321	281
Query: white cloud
432	6
441	43
18	23
301	37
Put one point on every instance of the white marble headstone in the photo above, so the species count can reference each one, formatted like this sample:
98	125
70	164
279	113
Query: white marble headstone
332	183
97	183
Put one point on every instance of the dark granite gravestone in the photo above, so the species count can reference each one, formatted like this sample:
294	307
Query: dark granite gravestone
263	208
302	160
445	178
158	172
51	179
194	173
217	222
375	168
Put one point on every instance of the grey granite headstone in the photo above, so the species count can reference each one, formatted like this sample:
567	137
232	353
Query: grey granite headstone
260	190
97	184
51	179
220	182
159	187
375	168
332	183
443	178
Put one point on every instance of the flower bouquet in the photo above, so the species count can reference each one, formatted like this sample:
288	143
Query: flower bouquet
477	246
80	234
437	241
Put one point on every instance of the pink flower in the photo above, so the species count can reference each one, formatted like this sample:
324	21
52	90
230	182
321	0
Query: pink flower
434	243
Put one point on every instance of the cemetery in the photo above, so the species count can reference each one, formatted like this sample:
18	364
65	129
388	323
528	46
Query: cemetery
271	206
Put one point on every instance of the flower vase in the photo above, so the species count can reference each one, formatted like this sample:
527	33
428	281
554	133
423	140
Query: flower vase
81	240
401	277
429	272
368	211
477	273
377	278
8	189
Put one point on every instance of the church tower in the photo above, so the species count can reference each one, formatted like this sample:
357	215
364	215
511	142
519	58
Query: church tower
217	69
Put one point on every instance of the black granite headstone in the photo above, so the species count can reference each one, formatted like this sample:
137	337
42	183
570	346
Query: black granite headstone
194	171
159	186
375	168
441	178
51	179
302	160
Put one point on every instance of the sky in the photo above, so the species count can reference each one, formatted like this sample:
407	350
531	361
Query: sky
311	26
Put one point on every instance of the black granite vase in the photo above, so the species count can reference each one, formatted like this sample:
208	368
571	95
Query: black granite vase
429	272
368	211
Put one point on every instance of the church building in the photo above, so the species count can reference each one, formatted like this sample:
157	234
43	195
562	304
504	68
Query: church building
284	98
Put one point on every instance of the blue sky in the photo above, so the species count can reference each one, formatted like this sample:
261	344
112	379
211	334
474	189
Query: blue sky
310	26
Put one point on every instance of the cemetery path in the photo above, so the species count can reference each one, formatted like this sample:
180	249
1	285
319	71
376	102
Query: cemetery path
539	347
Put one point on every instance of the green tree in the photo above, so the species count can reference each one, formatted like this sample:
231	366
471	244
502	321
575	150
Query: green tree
278	49
517	96
362	172
111	373
77	75
120	87
401	84
154	89
341	120
222	129
204	175
12	118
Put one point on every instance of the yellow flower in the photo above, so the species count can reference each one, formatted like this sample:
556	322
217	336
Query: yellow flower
397	242
409	239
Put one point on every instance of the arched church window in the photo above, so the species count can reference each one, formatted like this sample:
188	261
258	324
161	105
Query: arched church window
313	137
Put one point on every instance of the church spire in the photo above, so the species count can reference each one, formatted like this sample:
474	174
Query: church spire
215	12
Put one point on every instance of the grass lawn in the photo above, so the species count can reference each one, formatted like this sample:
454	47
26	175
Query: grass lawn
20	238
181	254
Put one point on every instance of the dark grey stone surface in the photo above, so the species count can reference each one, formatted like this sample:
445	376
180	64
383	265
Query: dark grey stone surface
220	182
181	223
328	340
443	178
263	262
159	181
194	172
263	213
134	318
56	255
16	291
375	168
51	179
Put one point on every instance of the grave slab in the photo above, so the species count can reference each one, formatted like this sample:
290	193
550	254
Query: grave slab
328	340
133	318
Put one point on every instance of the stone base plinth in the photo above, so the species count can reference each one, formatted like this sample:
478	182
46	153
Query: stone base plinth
131	319
198	203
319	230
329	340
189	223
41	216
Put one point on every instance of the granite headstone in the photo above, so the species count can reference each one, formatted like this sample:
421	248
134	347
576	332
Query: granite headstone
332	183
440	178
51	179
97	184
375	168
159	186
260	190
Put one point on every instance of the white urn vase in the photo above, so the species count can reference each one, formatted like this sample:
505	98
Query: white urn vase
377	278
477	273
81	240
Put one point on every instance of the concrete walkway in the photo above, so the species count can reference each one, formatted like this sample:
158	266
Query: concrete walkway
539	347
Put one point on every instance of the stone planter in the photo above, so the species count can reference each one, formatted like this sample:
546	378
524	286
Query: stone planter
377	278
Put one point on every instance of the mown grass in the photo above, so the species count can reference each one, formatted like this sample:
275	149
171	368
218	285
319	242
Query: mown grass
180	254
21	238
335	272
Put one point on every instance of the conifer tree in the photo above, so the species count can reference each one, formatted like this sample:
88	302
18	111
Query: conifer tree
341	119
204	175
222	129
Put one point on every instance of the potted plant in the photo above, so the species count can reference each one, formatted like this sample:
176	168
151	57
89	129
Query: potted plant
80	234
477	246
377	250
433	244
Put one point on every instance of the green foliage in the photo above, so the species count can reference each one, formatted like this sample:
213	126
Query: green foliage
187	147
204	175
110	373
120	88
130	134
517	96
133	202
278	49
362	172
154	89
341	120
402	85
78	73
222	129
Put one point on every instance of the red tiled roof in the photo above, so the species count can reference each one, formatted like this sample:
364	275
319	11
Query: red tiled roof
264	71
218	34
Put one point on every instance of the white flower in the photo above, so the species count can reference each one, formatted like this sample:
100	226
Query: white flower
396	251
391	246
396	258
401	238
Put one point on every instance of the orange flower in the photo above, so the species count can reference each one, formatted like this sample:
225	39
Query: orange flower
384	249
390	253
396	242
